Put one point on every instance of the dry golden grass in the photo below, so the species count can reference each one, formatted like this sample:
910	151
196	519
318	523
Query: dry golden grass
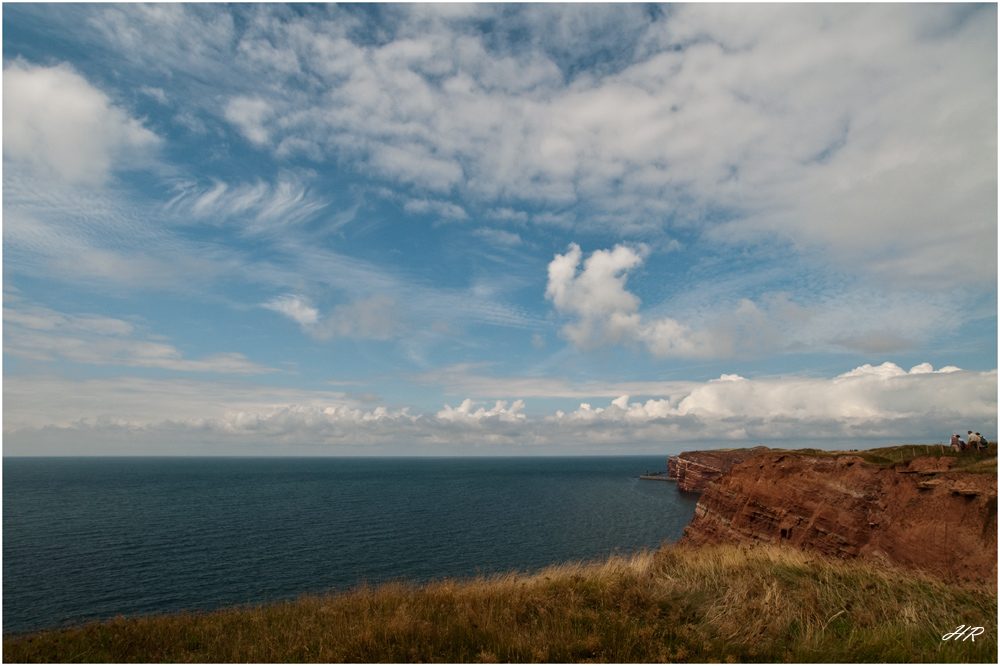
720	603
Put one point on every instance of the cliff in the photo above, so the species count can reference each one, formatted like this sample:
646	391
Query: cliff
694	470
915	514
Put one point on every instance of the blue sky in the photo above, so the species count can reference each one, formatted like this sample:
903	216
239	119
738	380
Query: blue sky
496	229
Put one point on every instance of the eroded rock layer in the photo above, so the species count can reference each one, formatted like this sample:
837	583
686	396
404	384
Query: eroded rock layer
919	515
694	470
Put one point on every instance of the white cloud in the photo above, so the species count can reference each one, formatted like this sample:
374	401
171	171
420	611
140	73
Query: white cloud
296	308
170	38
597	295
374	318
608	314
445	209
882	404
296	420
250	116
418	165
883	401
815	124
499	412
260	207
857	319
59	125
498	237
107	240
39	401
100	236
469	379
797	130
846	121
853	122
40	334
155	93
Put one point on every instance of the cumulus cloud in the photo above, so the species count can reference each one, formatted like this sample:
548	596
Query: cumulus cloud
881	401
860	139
596	295
296	420
603	311
881	404
59	125
499	412
607	313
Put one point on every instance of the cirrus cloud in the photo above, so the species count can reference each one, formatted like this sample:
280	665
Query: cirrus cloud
39	334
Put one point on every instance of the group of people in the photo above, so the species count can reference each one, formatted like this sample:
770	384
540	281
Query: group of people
975	441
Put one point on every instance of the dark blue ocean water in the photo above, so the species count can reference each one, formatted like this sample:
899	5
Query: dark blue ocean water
87	538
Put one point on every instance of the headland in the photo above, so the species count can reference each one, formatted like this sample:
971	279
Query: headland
793	556
916	507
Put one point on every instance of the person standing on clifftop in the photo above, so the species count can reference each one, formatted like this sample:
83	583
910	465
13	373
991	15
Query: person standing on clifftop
957	443
974	440
981	445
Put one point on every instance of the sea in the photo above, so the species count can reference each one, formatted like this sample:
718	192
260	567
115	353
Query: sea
93	538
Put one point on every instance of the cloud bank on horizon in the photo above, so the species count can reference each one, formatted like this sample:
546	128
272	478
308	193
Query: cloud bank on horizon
475	229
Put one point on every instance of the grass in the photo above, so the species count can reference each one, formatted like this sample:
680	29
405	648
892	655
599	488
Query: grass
969	461
718	603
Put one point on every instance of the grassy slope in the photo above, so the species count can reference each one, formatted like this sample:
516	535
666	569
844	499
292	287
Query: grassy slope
721	603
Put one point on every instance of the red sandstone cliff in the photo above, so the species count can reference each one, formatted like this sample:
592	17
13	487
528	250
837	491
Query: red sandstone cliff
694	470
916	515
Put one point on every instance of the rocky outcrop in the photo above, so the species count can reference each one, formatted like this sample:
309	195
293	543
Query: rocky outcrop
672	467
917	515
694	470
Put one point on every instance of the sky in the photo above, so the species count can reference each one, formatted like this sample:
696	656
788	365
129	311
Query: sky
501	229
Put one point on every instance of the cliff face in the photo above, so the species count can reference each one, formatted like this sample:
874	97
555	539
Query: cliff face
919	515
694	470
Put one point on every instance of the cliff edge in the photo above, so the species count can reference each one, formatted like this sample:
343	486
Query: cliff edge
914	514
694	470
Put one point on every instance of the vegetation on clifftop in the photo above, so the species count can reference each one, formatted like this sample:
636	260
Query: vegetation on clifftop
719	603
965	461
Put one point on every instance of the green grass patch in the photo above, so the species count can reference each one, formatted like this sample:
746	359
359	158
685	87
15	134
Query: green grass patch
966	461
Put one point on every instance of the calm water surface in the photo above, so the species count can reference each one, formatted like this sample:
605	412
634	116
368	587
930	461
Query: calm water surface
90	538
